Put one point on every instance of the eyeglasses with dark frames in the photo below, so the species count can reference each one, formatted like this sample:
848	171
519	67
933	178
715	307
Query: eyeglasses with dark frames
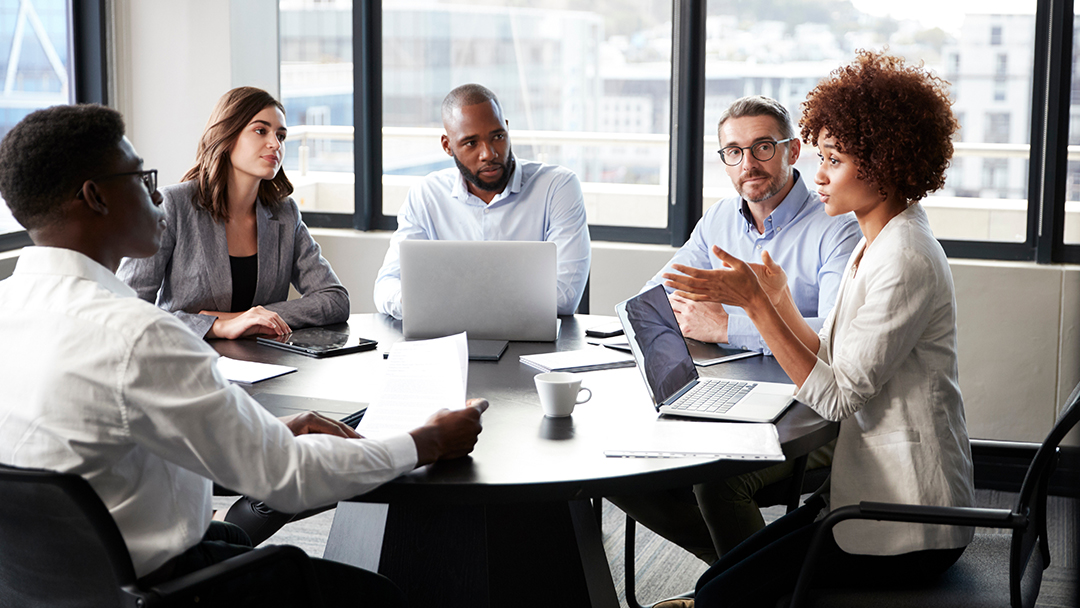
148	177
762	150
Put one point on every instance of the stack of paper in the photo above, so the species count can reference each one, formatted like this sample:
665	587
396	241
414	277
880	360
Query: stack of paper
584	360
700	439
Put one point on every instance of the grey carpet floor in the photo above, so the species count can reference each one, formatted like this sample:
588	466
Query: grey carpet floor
664	570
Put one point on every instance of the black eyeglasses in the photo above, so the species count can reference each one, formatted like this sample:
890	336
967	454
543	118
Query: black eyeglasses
762	150
148	177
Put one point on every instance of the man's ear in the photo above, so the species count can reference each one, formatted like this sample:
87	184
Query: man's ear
91	196
446	145
795	150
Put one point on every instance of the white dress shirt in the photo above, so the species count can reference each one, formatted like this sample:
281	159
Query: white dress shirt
100	383
887	368
540	203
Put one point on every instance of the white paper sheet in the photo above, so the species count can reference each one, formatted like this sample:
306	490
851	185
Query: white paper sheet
250	372
422	377
682	439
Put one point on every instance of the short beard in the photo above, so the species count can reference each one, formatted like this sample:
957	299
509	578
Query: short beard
775	186
496	186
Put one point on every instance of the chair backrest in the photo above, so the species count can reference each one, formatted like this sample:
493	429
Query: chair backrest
59	546
1026	565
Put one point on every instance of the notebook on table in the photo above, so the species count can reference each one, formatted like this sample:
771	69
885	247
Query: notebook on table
672	379
492	290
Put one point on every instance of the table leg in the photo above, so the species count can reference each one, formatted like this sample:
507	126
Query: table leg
546	554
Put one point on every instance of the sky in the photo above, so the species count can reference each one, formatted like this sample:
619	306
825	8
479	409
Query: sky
948	14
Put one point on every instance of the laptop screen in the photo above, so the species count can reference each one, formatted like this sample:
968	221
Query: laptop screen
657	343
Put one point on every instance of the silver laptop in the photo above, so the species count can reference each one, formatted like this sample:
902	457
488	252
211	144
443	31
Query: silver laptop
670	375
493	290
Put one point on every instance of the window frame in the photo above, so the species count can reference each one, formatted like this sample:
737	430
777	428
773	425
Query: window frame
1051	90
87	54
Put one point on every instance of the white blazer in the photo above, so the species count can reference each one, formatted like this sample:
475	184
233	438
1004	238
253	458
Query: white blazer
887	369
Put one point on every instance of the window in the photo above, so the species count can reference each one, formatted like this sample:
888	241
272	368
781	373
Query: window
34	67
997	128
586	88
608	114
750	49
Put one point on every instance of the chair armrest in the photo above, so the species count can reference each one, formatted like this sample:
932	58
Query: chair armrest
881	511
281	570
926	514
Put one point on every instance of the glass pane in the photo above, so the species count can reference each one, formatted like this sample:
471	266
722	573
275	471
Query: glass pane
986	57
585	85
317	92
1072	176
34	66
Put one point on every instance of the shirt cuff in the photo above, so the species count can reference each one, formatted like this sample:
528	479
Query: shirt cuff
743	334
402	450
816	387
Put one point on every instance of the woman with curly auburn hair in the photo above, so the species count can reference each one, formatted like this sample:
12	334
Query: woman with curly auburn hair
885	362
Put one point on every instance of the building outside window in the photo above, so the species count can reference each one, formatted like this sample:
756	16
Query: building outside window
588	86
34	66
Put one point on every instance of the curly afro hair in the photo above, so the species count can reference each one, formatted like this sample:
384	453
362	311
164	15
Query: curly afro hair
45	159
895	120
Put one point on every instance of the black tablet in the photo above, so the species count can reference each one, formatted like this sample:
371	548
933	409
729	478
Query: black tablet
318	342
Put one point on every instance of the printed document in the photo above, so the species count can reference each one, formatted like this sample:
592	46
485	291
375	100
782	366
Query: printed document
422	377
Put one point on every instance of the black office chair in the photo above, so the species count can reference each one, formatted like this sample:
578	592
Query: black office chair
995	570
787	492
59	547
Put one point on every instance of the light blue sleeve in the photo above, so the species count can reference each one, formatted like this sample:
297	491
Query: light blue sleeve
568	228
694	253
387	292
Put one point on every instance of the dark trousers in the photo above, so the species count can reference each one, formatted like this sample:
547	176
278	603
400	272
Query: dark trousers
339	584
766	566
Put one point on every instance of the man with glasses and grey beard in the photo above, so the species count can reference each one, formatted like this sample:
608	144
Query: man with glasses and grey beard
774	214
491	196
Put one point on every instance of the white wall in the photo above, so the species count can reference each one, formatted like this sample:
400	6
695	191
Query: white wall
173	60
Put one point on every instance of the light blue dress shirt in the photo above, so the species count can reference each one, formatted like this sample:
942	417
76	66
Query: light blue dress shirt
810	246
540	203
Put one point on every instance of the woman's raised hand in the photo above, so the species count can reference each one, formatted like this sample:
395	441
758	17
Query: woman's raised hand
736	284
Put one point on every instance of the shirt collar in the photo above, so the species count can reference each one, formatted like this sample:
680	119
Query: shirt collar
460	191
59	261
786	211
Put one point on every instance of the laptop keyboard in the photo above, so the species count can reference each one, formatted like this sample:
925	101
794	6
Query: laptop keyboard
714	396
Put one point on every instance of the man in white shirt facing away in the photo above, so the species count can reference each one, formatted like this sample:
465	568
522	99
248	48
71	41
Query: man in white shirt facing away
98	382
774	213
491	196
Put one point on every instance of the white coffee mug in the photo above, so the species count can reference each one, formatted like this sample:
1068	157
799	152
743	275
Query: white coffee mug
559	392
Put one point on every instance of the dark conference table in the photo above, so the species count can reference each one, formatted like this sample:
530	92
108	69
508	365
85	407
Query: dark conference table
512	524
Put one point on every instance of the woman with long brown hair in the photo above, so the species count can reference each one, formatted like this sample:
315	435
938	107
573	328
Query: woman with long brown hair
235	240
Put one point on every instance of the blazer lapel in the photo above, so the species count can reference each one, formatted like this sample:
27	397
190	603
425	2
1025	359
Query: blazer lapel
269	255
216	261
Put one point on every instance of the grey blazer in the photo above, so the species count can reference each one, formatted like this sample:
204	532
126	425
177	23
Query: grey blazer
191	271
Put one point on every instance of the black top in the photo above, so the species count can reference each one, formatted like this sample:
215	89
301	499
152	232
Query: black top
245	274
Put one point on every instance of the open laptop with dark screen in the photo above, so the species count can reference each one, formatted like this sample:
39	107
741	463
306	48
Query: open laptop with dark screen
672	379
